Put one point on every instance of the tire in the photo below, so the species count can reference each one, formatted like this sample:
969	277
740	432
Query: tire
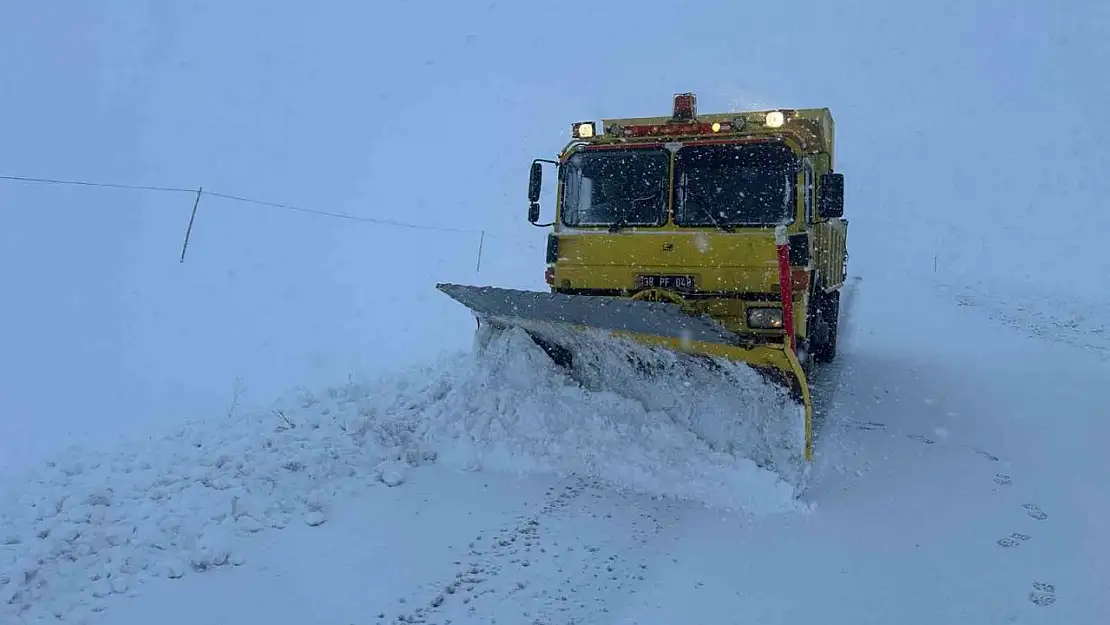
560	355
828	311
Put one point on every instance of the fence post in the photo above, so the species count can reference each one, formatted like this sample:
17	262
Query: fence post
481	243
192	217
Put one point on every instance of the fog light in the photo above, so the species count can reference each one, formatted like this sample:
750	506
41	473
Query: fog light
765	318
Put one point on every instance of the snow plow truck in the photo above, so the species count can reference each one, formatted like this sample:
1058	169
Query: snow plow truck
710	236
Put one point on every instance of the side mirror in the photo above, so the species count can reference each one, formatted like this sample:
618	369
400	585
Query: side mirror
830	198
534	182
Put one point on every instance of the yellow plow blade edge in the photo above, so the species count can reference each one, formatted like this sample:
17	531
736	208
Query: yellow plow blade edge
776	362
548	317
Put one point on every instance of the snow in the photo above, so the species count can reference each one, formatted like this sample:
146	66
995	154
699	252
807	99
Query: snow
671	432
267	108
99	523
959	473
490	485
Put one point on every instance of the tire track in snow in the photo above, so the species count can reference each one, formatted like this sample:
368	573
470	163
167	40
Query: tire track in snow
563	564
1080	324
827	388
488	555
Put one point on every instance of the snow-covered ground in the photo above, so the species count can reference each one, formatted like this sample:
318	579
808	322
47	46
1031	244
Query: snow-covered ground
959	479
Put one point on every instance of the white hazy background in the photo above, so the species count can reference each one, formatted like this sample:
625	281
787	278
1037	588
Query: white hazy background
972	136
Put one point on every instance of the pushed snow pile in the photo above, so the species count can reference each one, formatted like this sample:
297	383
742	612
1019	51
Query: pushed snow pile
98	524
649	422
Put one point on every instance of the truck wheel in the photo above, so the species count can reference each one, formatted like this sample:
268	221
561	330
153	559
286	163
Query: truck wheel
828	310
560	355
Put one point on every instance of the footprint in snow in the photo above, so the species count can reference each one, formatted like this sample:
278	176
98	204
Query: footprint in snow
985	454
1002	479
923	439
1013	540
1034	511
864	425
1043	594
870	425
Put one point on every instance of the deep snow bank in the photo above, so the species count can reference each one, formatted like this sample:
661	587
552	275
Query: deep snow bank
674	431
94	524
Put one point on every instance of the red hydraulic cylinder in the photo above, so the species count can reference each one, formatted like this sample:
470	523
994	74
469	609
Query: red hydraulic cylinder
782	243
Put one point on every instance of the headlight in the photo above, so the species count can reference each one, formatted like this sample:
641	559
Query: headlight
582	130
765	318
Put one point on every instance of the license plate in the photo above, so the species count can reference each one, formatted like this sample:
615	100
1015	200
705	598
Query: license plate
676	283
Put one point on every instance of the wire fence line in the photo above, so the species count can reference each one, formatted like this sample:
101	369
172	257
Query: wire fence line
373	220
481	233
85	183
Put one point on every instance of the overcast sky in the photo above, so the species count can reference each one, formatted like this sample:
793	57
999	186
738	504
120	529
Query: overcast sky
974	132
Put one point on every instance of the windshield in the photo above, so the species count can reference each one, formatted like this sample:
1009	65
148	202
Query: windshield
626	187
734	185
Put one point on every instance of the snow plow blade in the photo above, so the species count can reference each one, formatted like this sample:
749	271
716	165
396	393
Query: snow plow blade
560	322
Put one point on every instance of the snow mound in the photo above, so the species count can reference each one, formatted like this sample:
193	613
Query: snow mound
649	424
95	524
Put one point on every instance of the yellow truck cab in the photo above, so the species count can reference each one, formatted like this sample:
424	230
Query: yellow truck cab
684	208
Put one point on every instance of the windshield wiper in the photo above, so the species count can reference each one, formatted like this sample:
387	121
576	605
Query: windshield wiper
621	221
686	196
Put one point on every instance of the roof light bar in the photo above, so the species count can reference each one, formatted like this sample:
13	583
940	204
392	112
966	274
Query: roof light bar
671	130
